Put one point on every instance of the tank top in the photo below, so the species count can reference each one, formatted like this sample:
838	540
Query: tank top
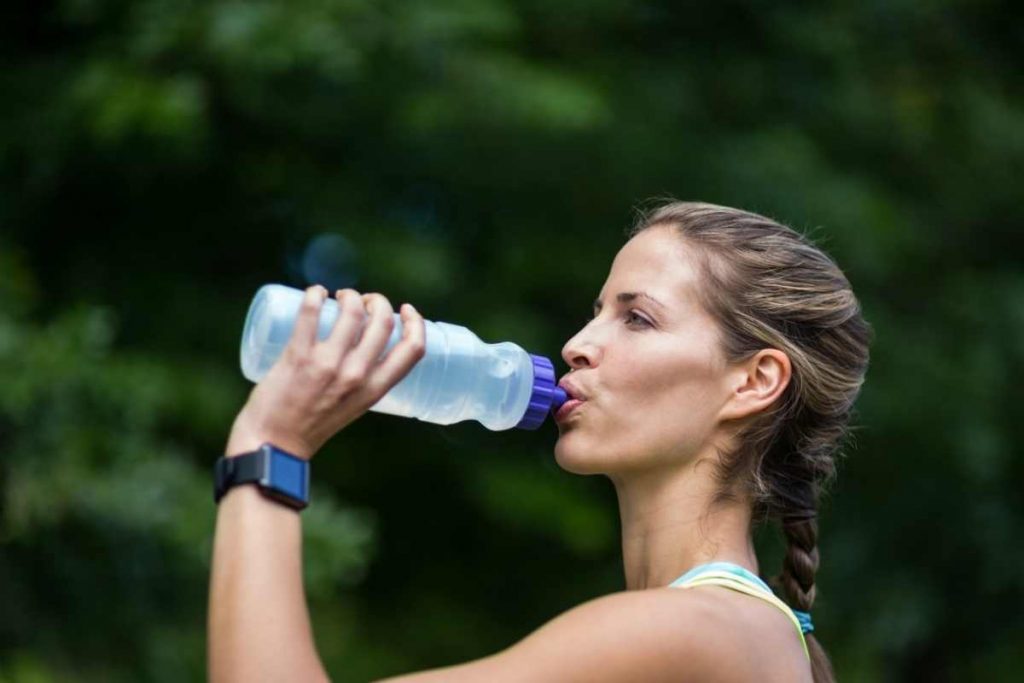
735	577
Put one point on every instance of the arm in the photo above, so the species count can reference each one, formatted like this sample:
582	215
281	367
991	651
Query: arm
652	636
258	623
265	633
640	635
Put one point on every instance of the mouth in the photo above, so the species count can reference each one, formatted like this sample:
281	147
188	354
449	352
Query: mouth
571	390
567	409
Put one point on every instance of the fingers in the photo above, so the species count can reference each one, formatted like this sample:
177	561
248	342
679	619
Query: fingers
347	328
403	356
375	336
304	334
349	363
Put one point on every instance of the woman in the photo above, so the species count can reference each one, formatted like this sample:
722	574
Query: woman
717	377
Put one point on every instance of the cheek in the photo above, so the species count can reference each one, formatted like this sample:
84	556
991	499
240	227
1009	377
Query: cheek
679	406
664	406
670	388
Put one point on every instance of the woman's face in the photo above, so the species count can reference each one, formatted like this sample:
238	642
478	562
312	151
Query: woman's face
650	368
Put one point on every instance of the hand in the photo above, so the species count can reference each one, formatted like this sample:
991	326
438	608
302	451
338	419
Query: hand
316	388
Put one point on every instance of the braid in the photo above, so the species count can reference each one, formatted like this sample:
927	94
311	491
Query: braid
800	564
797	583
795	482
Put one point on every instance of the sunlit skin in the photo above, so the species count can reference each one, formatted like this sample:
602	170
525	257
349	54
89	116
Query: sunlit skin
661	401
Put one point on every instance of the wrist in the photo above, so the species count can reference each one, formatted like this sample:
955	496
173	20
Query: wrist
278	474
244	440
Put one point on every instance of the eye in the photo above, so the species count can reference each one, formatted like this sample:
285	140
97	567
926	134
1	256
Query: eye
637	319
631	317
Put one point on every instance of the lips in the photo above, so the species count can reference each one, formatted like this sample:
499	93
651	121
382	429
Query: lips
572	390
575	399
567	408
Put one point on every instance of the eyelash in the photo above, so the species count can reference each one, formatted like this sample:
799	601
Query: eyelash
631	314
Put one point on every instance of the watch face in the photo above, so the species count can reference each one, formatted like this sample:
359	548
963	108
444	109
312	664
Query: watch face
288	474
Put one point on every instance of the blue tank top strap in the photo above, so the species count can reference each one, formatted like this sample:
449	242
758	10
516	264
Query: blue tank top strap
723	567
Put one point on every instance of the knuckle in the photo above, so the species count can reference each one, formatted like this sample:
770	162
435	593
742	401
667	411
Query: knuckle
311	301
352	376
295	357
377	302
353	304
321	370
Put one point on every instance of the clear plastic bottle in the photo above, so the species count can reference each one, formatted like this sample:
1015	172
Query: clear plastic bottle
459	377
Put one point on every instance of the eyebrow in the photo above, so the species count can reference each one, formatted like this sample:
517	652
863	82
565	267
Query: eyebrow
626	297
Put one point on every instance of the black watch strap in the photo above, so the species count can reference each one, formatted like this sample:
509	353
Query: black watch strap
237	469
279	475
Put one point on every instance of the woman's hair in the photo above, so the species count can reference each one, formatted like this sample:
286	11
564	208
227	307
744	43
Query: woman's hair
768	286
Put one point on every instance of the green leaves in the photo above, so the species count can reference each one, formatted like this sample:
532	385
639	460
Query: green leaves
161	159
105	501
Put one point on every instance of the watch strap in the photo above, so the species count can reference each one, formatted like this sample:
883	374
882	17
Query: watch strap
278	474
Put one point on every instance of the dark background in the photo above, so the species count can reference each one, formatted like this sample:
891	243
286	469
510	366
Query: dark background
161	159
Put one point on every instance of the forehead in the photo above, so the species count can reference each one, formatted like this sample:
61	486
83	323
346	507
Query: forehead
659	262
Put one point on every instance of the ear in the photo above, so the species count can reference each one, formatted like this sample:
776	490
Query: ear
755	384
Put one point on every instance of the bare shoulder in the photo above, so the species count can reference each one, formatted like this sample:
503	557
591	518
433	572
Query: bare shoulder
639	634
652	635
760	641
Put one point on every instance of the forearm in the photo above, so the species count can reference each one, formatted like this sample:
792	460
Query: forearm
258	623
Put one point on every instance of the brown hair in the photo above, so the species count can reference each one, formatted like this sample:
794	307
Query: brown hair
769	286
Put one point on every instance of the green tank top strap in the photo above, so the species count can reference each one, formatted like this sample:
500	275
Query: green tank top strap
718	574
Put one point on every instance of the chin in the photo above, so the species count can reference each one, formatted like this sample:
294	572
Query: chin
572	458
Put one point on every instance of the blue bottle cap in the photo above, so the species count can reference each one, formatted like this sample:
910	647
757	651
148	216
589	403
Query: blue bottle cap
547	395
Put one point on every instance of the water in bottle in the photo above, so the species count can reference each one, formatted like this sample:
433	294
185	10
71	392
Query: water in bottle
459	377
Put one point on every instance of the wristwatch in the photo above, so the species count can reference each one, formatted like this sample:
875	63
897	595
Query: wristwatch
280	476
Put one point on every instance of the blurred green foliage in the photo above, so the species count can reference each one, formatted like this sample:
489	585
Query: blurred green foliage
160	160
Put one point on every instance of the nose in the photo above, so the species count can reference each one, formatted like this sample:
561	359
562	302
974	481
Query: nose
579	353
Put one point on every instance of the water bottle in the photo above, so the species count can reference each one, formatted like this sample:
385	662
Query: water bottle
459	377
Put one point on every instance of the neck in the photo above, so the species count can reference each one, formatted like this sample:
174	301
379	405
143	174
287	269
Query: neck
668	526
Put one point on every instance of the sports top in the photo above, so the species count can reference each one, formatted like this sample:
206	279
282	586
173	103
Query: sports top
729	575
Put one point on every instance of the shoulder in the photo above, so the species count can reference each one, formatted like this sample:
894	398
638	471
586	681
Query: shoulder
661	634
713	633
636	612
671	619
652	635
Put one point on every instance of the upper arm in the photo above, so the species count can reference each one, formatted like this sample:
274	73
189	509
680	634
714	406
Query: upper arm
627	636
